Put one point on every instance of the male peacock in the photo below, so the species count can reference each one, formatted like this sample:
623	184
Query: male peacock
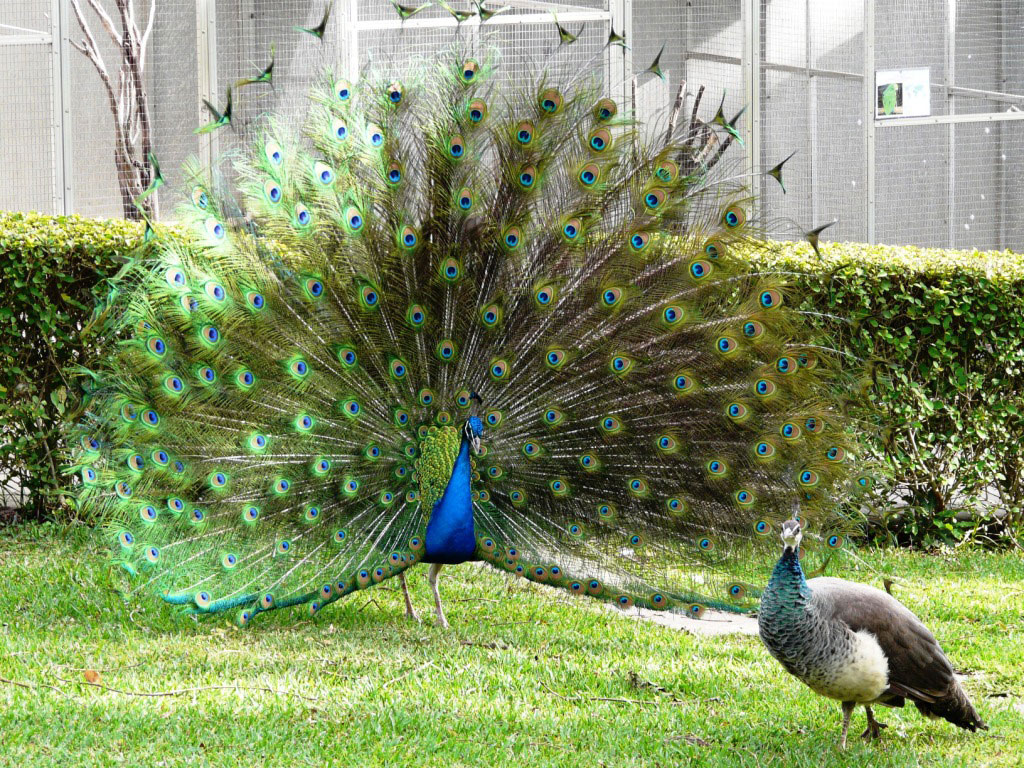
457	322
857	644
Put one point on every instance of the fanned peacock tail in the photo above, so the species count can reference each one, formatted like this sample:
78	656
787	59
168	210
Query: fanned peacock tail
291	392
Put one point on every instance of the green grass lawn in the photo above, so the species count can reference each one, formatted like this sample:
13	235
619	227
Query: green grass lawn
525	676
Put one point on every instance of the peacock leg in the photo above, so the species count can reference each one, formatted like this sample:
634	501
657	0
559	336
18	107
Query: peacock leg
847	711
410	613
874	729
435	569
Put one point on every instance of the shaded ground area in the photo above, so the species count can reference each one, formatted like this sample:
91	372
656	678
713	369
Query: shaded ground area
524	677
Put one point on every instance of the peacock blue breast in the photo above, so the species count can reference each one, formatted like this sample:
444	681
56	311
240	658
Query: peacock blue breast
450	536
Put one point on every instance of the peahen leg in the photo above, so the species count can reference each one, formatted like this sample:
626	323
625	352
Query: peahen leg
874	729
435	569
410	613
847	711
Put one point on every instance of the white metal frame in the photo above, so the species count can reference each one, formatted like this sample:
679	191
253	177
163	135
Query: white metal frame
950	120
206	45
753	66
869	112
566	14
60	97
618	63
60	90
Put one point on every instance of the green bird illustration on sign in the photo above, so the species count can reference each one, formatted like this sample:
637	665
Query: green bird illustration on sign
889	99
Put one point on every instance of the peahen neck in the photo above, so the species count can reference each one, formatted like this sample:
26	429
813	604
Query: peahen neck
787	592
450	537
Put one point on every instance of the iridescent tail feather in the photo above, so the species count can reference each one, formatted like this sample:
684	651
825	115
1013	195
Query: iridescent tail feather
651	406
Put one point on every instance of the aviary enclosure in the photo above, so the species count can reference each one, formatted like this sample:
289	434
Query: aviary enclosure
625	382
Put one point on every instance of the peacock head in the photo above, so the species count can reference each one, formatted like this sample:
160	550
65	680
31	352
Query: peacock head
472	431
791	534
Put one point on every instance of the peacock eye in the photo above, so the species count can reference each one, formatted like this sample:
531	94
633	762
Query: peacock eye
734	217
770	299
667	171
600	140
446	350
512	238
553	417
368	297
408	237
215	229
605	110
655	199
554	358
544	295
499	370
323	173
700	269
273	152
589	175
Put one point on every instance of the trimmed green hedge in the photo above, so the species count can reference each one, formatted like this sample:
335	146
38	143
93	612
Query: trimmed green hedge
941	331
51	269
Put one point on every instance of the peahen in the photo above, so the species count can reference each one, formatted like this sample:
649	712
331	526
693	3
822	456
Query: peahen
457	321
857	644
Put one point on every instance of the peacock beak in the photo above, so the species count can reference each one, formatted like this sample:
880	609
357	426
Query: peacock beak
476	445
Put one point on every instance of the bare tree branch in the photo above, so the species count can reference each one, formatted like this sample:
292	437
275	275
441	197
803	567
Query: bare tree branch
129	103
105	20
676	109
144	43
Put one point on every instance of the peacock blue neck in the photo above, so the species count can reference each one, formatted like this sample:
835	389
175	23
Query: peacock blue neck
450	537
787	591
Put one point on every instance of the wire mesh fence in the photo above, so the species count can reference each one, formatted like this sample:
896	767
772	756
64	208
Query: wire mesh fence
805	71
26	107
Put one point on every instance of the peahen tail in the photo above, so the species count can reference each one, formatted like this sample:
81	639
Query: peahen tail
290	392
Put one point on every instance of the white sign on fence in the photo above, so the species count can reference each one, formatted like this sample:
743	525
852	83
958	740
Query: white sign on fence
902	93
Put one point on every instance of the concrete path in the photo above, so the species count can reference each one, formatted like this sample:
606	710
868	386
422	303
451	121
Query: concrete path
713	623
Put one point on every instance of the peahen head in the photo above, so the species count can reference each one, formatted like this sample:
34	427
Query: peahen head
791	534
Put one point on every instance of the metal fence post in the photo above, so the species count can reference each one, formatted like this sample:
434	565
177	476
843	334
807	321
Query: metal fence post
869	113
751	68
951	128
352	15
622	13
206	57
60	89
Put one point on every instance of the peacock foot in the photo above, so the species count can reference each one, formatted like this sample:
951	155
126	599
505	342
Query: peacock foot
442	622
